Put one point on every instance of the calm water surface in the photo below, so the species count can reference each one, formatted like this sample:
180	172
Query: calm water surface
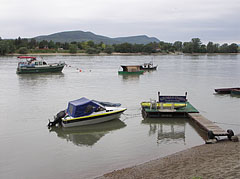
29	150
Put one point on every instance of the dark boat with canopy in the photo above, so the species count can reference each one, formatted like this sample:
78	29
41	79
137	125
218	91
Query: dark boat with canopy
32	65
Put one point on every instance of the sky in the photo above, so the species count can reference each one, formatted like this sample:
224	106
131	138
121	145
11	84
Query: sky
168	20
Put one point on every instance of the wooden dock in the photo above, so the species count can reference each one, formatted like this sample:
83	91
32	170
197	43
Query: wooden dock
211	128
180	107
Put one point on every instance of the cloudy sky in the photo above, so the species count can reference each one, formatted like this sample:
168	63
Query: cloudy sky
168	20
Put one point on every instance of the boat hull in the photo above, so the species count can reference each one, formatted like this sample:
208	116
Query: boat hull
225	90
92	119
130	73
49	69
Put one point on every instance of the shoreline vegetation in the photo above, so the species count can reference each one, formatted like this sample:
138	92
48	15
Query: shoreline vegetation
118	54
32	46
219	160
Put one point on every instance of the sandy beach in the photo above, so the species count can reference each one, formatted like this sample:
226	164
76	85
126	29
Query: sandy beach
219	160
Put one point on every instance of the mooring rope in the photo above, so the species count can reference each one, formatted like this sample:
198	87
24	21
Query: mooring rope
231	124
128	116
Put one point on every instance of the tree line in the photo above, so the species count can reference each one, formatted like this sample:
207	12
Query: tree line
24	46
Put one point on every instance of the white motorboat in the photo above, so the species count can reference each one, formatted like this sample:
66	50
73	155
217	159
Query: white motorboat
85	112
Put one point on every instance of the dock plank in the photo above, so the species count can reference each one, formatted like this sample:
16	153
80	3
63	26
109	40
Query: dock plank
207	124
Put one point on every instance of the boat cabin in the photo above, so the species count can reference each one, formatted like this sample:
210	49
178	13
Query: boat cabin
30	62
83	107
131	68
147	65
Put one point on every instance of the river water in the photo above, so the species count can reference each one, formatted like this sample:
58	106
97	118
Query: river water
30	150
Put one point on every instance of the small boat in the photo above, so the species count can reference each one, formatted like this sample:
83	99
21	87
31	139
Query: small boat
85	112
32	65
225	90
148	66
235	91
131	69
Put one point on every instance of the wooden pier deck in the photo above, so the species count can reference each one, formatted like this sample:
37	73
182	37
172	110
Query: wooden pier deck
180	107
207	125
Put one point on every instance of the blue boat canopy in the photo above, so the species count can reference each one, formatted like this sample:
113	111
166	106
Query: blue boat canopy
82	107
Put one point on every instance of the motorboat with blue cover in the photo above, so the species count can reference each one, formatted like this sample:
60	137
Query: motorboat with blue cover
84	111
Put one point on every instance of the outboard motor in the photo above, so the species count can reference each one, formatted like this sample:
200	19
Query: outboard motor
57	119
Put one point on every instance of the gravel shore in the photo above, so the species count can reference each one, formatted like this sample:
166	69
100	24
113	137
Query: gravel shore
220	160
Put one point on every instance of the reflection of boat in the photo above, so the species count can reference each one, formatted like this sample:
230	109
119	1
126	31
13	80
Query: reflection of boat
32	65
148	66
87	135
131	69
84	112
168	130
225	90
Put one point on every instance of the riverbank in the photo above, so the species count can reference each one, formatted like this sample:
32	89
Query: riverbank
117	54
220	160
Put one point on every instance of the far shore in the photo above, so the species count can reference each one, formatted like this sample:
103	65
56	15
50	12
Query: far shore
217	161
118	54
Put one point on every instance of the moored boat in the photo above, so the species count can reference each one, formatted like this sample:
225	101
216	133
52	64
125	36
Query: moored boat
85	112
225	90
32	65
148	66
131	69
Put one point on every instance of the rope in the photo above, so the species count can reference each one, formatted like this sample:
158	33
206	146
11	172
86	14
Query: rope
227	123
128	116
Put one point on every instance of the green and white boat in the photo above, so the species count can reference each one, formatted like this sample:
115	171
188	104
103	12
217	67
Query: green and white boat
30	64
131	69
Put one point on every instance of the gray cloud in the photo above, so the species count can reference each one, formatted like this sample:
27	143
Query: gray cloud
168	20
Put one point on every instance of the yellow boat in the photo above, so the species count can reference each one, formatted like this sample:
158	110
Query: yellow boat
166	105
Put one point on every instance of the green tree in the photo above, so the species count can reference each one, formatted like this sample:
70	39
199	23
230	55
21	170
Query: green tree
224	48
90	43
196	44
91	50
109	49
187	47
66	46
23	50
203	49
177	45
51	44
4	48
124	48
32	44
149	48
73	48
233	48
210	47
43	44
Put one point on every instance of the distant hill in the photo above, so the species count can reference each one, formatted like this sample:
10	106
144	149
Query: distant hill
79	36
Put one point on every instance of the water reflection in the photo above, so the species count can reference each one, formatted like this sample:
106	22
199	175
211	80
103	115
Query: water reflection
36	76
35	79
168	130
129	77
87	135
